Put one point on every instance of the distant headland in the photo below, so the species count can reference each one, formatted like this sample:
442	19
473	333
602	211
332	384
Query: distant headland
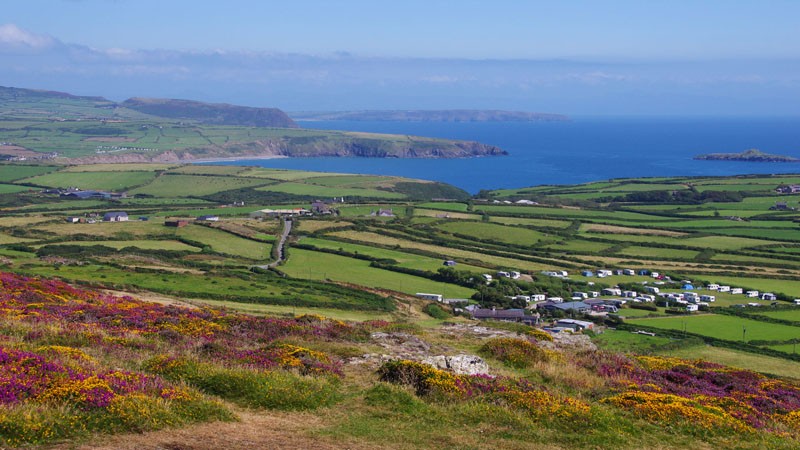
752	155
444	115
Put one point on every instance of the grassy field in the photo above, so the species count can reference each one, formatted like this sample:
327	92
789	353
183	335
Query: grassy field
330	191
723	327
497	232
12	188
407	260
508	263
195	185
792	314
750	361
106	181
223	242
145	245
12	172
320	266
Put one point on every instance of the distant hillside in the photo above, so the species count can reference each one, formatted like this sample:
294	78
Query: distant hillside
447	115
33	103
211	113
40	124
12	93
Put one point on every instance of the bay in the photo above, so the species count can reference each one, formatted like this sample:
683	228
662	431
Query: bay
582	150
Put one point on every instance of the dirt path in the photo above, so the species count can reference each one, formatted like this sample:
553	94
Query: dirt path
255	430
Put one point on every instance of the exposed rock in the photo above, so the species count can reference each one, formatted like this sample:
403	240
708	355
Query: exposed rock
564	341
459	364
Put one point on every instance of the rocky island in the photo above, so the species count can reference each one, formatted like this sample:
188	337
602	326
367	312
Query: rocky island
752	155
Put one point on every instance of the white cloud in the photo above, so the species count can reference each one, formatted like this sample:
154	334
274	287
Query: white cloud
15	37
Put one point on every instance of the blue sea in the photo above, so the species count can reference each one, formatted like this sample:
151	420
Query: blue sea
582	150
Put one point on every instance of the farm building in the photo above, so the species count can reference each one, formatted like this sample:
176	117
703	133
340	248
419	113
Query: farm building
320	207
176	223
279	212
577	325
382	213
578	306
505	315
788	189
118	216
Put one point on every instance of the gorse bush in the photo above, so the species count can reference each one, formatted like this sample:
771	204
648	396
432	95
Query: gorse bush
518	353
519	394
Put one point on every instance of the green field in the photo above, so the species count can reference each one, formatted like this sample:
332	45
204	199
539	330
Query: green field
445	252
223	242
12	188
723	327
792	314
320	266
12	172
195	185
407	260
145	245
489	231
329	192
107	181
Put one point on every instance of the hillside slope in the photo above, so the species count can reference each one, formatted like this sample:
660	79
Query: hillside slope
211	113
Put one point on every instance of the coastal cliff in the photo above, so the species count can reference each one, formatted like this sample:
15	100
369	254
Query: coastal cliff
340	146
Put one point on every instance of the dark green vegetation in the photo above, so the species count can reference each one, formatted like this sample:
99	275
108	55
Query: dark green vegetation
752	155
53	125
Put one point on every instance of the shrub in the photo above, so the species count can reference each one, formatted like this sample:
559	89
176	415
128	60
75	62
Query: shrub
435	311
516	353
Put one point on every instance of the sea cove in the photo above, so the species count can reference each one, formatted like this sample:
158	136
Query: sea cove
582	150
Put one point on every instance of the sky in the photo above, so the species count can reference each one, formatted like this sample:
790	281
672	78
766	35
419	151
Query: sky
711	57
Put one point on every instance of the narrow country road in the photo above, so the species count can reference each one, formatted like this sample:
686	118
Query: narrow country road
287	229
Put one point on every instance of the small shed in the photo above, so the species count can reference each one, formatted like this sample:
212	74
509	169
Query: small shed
117	216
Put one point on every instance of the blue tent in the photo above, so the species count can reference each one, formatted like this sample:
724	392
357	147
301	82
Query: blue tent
688	287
